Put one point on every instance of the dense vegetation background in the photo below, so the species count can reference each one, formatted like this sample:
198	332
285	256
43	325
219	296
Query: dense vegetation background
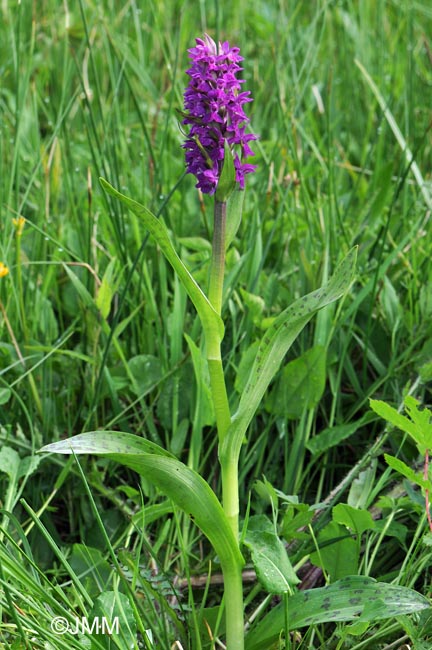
92	319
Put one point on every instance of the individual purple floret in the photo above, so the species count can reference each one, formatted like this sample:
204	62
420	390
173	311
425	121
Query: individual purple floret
214	109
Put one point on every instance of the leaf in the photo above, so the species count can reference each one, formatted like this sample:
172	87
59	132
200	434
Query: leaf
357	629
300	386
275	344
405	470
91	568
106	290
254	304
181	484
348	599
269	556
338	552
233	215
390	414
390	303
169	408
296	519
204	404
357	520
422	422
28	465
245	366
15	468
9	462
146	371
418	425
5	395
108	607
425	372
361	487
332	436
204	623
105	442
211	321
227	179
84	294
392	528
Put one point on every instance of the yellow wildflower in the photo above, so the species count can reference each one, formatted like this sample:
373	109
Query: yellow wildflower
19	224
3	270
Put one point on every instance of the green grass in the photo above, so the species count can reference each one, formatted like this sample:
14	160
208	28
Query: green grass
92	320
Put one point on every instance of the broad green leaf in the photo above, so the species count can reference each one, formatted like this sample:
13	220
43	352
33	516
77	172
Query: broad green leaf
181	484
418	425
361	487
390	414
275	344
425	372
108	607
422	421
15	468
146	370
152	513
84	294
5	395
269	556
93	570
28	465
348	599
357	520
332	436
408	472
296	518
357	629
9	462
300	386
338	552
267	494
211	321
205	623
392	529
105	442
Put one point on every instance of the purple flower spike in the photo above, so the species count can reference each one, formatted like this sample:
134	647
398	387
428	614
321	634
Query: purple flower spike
214	109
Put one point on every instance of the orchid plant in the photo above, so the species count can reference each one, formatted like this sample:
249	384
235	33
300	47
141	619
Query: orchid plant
216	148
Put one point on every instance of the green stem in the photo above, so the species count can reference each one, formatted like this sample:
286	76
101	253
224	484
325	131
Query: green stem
217	268
233	586
233	597
214	357
230	493
219	396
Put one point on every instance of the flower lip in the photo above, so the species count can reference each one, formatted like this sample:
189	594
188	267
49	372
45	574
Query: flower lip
214	110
